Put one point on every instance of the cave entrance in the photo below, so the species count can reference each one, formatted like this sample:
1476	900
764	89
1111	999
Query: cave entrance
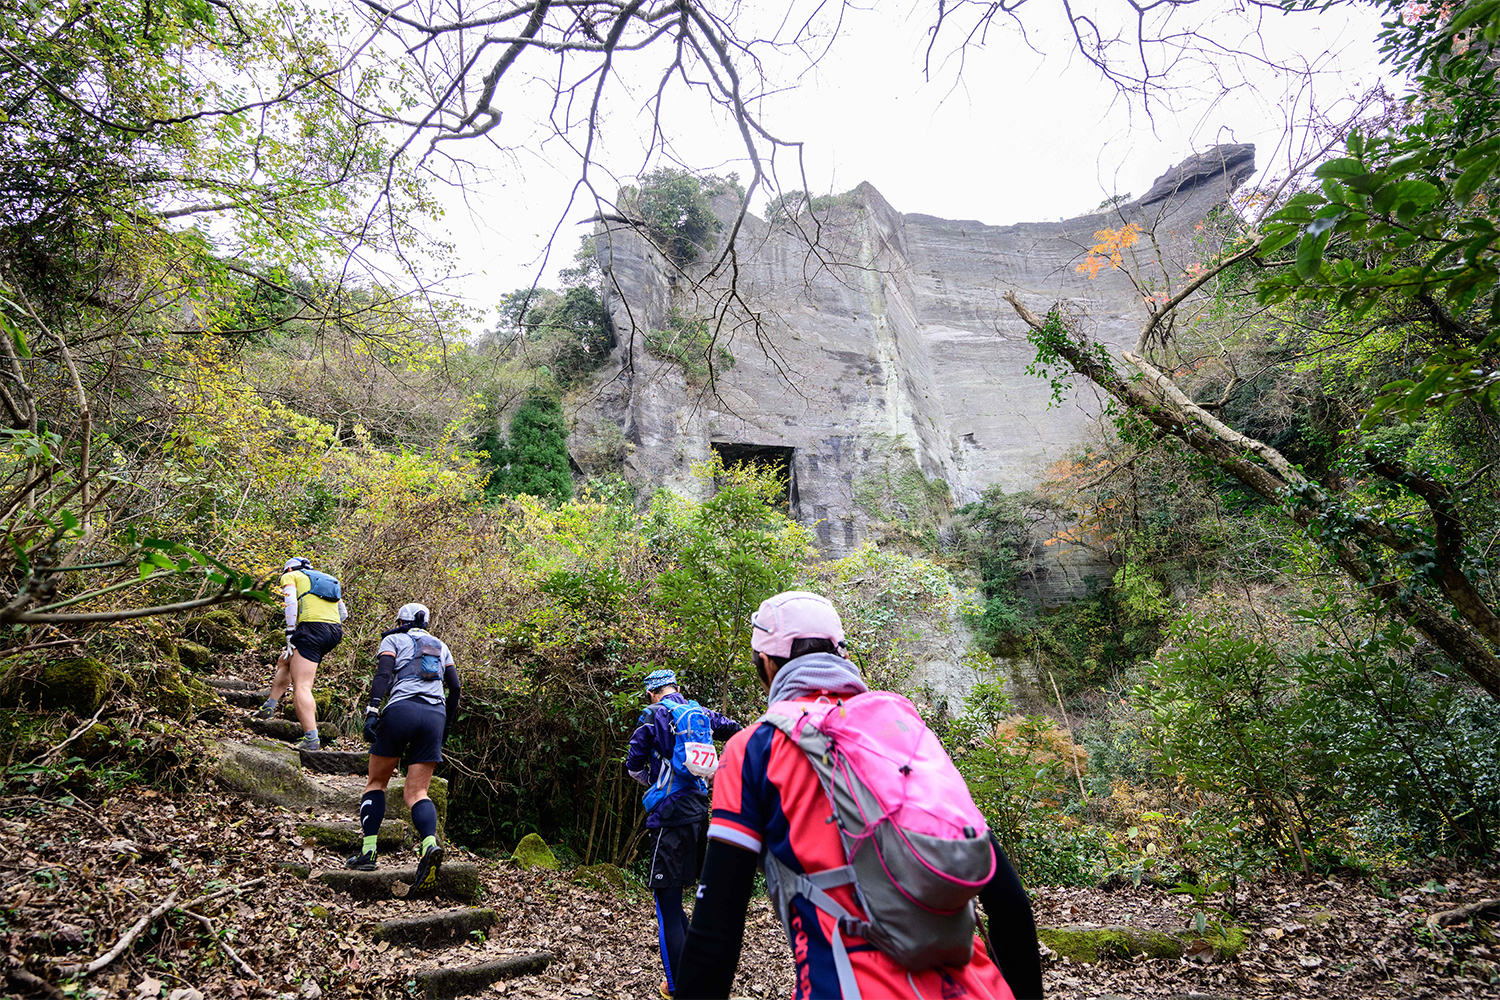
769	457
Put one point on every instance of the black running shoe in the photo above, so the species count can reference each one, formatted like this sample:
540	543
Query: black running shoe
361	862
427	870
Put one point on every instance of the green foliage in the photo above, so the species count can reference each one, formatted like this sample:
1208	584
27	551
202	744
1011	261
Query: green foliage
1018	772
730	553
786	207
692	343
907	505
674	206
1410	214
1340	751
534	460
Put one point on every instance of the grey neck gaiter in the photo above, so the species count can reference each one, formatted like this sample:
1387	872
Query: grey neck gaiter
813	673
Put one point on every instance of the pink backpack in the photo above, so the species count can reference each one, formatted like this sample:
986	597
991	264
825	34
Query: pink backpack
917	848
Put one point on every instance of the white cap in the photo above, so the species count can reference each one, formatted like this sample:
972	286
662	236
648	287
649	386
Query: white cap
297	562
410	612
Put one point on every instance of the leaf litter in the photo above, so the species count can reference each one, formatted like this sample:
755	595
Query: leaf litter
69	890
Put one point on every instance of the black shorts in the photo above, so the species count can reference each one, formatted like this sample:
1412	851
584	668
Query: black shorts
315	640
411	729
677	855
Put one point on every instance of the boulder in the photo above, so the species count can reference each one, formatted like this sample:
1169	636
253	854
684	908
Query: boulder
533	852
429	929
289	731
601	876
271	773
186	698
78	685
218	628
194	656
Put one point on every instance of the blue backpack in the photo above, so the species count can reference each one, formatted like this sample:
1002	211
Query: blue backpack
693	755
322	585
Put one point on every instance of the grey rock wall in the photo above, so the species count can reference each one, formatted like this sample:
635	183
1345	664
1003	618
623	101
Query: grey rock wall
869	332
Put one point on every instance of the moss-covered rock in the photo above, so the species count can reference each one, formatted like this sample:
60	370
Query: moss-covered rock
194	656
96	742
1090	944
348	838
601	876
219	629
1227	944
533	852
186	698
78	684
271	773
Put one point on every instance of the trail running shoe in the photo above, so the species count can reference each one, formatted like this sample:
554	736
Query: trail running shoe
361	862
264	712
427	870
309	743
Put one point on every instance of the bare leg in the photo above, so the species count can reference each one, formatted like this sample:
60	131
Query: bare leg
381	769
281	678
302	671
418	780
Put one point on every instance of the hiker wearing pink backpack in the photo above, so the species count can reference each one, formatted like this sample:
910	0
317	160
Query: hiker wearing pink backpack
873	850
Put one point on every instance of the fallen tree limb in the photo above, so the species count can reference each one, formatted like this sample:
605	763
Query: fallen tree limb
71	971
213	933
193	904
1458	915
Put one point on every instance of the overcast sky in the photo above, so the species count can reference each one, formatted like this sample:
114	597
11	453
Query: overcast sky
1018	135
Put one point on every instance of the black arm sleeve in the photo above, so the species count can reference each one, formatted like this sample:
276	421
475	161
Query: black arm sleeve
1012	930
385	676
450	681
712	951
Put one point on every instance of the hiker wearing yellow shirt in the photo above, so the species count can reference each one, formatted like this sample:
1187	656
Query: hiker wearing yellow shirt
315	614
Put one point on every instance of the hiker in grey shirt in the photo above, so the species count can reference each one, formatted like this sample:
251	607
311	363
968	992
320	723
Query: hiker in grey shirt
413	669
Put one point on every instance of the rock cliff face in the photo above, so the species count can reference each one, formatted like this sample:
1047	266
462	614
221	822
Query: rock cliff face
867	342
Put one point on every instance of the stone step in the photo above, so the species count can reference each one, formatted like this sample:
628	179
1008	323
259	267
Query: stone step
245	697
288	731
336	761
429	930
457	880
347	838
229	684
472	980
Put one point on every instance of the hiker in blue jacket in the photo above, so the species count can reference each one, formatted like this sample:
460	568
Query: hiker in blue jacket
677	820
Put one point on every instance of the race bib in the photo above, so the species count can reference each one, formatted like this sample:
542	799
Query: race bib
701	759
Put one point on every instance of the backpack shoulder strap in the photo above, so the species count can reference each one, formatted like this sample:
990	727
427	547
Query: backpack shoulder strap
783	884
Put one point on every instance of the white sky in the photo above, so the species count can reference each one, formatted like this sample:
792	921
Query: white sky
1023	136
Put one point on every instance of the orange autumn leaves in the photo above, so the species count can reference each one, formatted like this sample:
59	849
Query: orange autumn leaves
1110	250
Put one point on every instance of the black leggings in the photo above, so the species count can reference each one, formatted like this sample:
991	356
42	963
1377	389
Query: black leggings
671	930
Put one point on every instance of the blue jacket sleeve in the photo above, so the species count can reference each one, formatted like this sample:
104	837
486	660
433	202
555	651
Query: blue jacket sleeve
638	755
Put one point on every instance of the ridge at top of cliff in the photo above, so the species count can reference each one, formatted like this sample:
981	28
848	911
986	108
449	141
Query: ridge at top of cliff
1227	166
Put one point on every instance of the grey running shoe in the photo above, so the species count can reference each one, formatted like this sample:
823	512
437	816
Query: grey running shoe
361	862
427	870
309	743
265	711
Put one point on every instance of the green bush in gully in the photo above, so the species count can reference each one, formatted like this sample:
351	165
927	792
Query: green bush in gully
534	459
1345	754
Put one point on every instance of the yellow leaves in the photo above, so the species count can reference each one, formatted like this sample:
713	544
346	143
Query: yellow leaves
1110	250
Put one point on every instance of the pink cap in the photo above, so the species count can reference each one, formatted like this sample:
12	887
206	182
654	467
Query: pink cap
793	614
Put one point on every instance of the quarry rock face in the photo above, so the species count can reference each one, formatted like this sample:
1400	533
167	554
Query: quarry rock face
868	344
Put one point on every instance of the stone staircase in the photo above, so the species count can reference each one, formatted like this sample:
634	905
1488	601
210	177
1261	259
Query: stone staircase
442	943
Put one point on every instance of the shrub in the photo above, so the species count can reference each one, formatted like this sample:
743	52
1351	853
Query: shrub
676	212
692	344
